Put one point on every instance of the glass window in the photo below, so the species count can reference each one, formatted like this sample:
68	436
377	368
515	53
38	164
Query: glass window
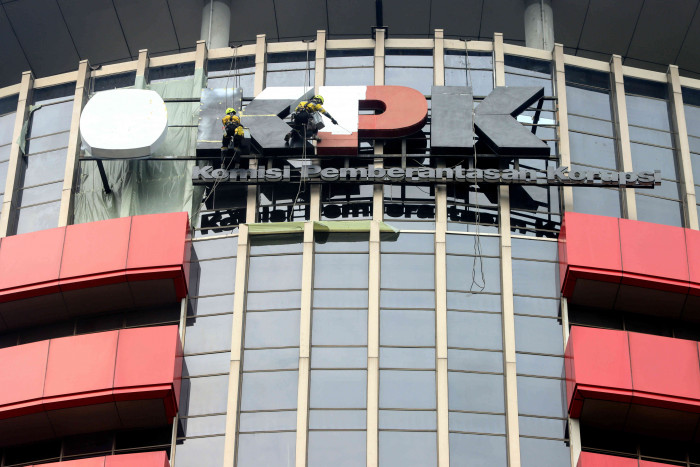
596	151
468	245
407	327
204	426
544	427
270	449
41	194
407	449
473	301
473	273
338	389
341	242
51	118
271	359
340	298
349	271
39	217
44	167
407	299
391	357
536	278
349	67
543	453
200	451
272	300
659	211
541	396
467	450
411	68
337	448
337	419
408	243
203	396
534	249
477	423
338	357
339	327
407	420
393	393
208	334
216	277
291	69
598	201
538	335
212	249
275	272
207	364
272	329
269	390
476	392
268	421
475	360
474	330
540	365
647	112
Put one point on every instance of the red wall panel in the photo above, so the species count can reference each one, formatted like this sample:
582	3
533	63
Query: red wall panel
592	459
141	459
107	380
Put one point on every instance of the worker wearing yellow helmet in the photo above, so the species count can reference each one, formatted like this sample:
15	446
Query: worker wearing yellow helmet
304	115
233	131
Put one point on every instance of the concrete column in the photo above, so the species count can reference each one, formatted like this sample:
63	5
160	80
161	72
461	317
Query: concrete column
216	23
539	24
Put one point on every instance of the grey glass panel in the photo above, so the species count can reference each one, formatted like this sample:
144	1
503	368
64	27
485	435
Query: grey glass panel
420	79
45	167
343	357
273	300
593	150
651	158
660	211
276	244
51	119
349	58
337	449
643	111
407	327
597	201
473	301
590	125
406	58
477	451
338	389
342	242
543	453
589	101
218	248
401	271
474	360
540	396
337	419
545	427
41	217
212	305
339	327
204	426
208	334
7	126
694	144
268	449
271	359
406	299
535	278
538	335
405	449
41	194
467	244
341	271
5	153
409	225
245	81
290	77
275	272
692	120
474	330
203	396
217	276
536	306
407	420
476	392
477	423
406	358
207	364
643	135
459	273
48	143
200	451
272	329
534	249
540	365
268	421
481	81
409	243
340	298
269	390
406	389
456	59
349	77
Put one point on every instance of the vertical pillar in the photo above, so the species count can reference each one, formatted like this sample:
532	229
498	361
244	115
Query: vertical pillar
539	24
379	57
439	58
441	375
234	377
624	148
216	23
682	149
507	307
563	119
307	276
10	202
65	215
260	63
142	65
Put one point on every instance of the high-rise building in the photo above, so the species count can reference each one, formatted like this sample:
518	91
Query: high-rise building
492	260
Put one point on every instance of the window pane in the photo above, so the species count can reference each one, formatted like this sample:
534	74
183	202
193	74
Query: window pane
204	426
339	357
340	298
337	448
268	421
268	449
407	271
407	327
339	327
538	335
477	451
200	451
544	427
393	393
216	277
406	299
272	329
271	359
407	420
273	300
476	392
593	150
598	201
660	211
267	391
540	396
536	278
337	419
406	358
473	301
543	453
540	365
475	360
474	330
202	396
409	243
341	271
207	364
460	269
338	389
275	272
401	449
41	217
208	334
477	423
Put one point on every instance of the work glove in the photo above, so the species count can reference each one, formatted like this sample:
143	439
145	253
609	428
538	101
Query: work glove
335	122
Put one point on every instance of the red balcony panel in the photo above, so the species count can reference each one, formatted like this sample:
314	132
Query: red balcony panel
592	459
95	254
654	255
141	459
692	243
30	264
82	368
88	383
154	255
90	462
665	371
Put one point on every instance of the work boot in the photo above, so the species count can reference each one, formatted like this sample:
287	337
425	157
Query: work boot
287	137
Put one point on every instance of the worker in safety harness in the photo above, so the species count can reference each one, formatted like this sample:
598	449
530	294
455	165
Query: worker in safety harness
306	120
233	130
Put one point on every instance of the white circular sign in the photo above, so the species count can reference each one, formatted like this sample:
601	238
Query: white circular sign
123	123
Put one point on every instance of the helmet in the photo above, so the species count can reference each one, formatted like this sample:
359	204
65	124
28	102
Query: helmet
230	111
319	98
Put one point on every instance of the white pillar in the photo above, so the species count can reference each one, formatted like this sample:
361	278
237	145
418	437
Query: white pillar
216	23
539	24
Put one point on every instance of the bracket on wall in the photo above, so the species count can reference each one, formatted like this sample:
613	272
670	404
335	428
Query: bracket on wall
103	176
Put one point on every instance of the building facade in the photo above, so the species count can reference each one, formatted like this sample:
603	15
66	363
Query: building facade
450	324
